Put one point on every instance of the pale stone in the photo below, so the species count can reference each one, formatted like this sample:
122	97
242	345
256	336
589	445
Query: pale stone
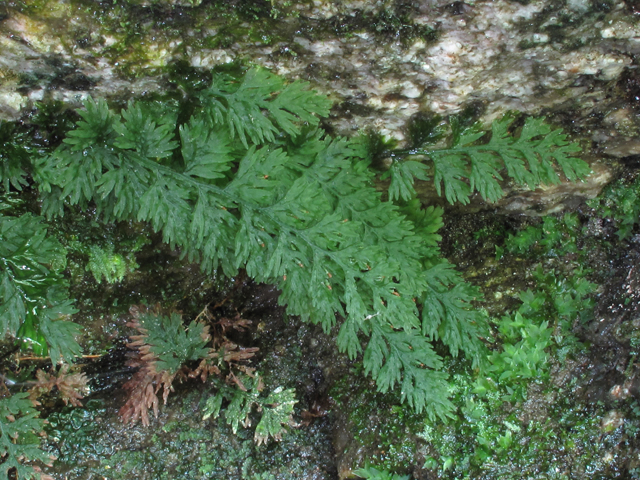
410	90
12	102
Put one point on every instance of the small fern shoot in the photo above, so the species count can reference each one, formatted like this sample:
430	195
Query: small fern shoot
276	408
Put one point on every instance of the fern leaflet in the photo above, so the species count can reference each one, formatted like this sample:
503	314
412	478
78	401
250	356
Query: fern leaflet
171	343
240	106
14	157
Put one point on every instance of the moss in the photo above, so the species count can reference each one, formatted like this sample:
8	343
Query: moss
491	439
506	427
620	202
488	438
391	25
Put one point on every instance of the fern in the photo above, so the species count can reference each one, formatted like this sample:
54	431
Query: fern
33	295
171	343
240	106
72	387
251	182
161	347
469	165
276	408
14	158
163	350
19	440
451	316
299	212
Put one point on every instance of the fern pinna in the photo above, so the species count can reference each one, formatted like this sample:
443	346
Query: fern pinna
250	181
468	165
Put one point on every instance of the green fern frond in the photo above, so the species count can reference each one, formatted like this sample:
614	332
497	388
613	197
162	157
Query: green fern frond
171	343
242	106
252	184
206	151
142	132
448	314
31	284
469	165
14	158
407	358
277	413
96	129
403	175
276	408
427	222
19	437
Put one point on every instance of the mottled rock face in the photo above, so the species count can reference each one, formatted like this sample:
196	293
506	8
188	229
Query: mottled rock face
382	62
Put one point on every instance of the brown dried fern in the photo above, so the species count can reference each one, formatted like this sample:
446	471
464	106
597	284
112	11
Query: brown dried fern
145	384
71	387
149	379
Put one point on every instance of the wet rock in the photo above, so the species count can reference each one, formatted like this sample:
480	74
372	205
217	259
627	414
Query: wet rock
92	441
622	147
